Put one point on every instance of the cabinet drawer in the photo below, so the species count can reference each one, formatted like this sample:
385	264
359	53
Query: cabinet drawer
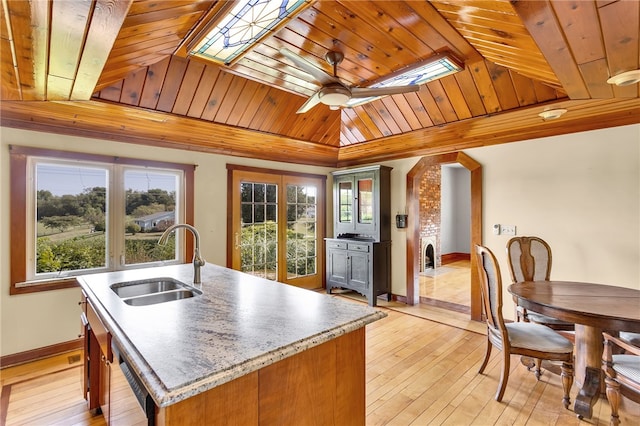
337	245
359	247
102	335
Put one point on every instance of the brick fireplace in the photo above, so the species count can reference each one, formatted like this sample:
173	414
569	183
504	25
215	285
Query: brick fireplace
428	253
430	210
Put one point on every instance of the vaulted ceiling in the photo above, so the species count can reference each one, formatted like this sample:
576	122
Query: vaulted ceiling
118	70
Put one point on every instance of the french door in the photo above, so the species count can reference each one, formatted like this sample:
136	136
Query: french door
277	225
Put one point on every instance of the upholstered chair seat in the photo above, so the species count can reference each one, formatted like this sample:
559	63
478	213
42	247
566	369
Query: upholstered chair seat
544	319
537	337
622	372
632	338
628	366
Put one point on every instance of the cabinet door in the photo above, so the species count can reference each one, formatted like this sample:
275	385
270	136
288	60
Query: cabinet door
104	387
358	264
365	204
343	201
86	357
337	267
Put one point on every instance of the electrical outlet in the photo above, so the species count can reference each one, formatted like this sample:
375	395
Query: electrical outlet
508	229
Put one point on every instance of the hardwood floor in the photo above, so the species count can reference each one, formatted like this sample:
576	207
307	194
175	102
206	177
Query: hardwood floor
46	392
448	283
447	286
419	372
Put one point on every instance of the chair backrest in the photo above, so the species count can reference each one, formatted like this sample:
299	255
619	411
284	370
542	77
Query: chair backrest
491	289
529	259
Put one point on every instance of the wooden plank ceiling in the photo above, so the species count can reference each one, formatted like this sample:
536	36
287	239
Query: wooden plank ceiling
117	70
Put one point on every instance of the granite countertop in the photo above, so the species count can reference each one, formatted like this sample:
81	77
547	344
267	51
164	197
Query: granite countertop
238	324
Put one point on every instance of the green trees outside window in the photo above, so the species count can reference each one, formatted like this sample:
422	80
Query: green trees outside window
74	216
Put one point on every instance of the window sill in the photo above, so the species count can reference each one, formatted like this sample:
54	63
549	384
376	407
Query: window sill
43	285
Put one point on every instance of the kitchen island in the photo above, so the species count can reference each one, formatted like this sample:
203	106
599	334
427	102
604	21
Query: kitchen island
242	348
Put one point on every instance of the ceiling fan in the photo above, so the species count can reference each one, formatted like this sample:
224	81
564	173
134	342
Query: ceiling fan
334	92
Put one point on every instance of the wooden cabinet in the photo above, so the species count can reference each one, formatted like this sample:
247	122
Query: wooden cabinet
91	351
322	385
105	387
359	255
362	203
360	266
98	359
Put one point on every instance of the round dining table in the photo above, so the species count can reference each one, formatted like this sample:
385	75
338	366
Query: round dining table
593	308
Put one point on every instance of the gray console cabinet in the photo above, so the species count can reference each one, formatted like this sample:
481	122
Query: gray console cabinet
358	258
364	267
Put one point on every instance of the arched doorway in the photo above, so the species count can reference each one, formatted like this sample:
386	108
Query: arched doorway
413	231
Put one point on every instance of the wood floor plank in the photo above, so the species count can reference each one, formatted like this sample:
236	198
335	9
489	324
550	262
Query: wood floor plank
428	386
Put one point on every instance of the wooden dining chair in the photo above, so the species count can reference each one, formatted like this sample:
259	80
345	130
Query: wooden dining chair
518	338
530	260
629	337
622	373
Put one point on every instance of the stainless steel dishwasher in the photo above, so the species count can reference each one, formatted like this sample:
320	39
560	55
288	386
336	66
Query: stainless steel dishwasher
130	402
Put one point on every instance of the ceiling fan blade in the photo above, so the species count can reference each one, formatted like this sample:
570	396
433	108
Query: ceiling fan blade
310	103
318	73
367	92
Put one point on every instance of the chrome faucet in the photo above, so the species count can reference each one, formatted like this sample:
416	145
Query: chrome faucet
198	261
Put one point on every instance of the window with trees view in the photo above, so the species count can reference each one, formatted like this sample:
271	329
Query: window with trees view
70	217
88	213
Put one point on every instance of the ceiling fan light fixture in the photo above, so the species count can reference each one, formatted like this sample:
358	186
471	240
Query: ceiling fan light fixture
334	95
552	114
626	78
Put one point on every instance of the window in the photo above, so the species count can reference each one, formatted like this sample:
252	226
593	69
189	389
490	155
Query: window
239	25
77	213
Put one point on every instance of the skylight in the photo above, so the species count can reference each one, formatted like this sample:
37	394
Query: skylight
421	72
242	27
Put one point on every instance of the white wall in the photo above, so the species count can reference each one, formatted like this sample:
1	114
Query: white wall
36	320
455	210
580	192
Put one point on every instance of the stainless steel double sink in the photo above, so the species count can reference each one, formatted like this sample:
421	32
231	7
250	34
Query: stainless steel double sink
153	290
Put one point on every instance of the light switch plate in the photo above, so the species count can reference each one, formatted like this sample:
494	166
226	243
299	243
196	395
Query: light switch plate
508	229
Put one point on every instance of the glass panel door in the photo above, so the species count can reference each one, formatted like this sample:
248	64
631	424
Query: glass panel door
302	240
277	227
259	229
